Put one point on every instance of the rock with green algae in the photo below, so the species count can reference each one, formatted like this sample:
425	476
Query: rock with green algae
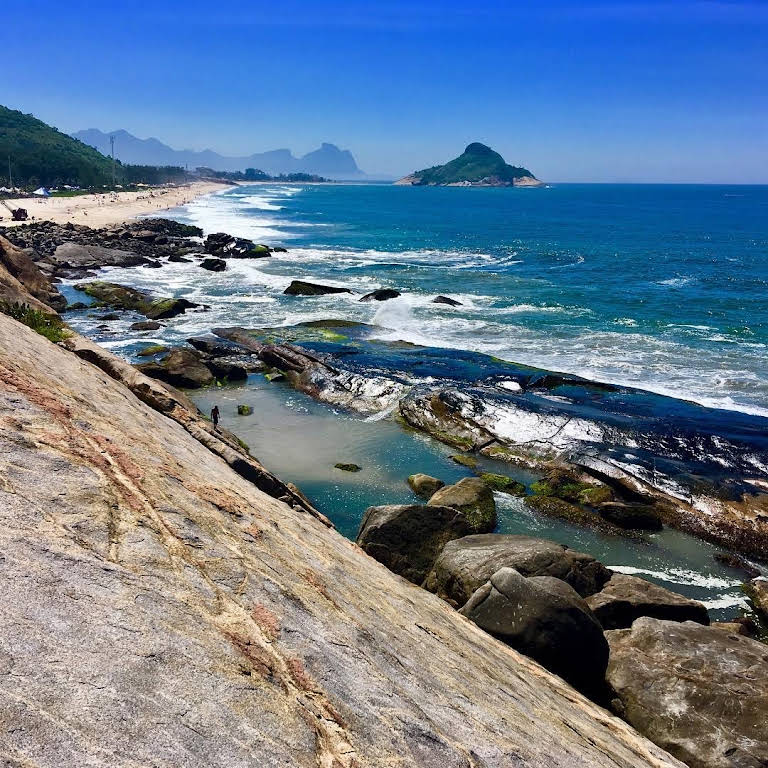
152	350
424	485
464	460
473	498
125	297
503	483
347	467
244	410
182	367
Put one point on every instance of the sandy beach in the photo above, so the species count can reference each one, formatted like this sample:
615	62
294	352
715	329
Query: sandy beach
98	210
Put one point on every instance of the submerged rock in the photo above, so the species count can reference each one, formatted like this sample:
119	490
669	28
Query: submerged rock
626	598
467	563
244	410
407	538
737	562
302	288
641	516
446	300
472	497
503	483
700	693
381	294
546	621
424	485
347	467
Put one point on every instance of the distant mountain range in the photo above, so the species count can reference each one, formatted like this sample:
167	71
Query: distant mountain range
328	161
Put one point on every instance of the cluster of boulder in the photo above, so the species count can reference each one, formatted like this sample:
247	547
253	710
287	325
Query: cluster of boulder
650	654
75	250
304	288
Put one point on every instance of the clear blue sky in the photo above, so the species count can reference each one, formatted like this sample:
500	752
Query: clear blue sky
576	90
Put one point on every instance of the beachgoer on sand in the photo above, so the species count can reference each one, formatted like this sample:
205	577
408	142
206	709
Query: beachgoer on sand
215	417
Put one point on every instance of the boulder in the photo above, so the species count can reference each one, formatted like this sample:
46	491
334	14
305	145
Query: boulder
244	410
215	347
626	515
151	350
347	467
381	294
407	538
146	325
302	288
181	367
20	265
177	258
234	368
699	693
467	563
222	244
77	256
625	598
546	622
757	590
160	309
115	295
472	497
446	300
109	316
502	483
424	485
213	264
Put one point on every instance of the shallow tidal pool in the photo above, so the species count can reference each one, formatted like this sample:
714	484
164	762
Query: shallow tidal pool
301	440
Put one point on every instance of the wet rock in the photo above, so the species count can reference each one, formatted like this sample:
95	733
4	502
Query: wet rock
757	590
699	693
215	347
152	350
407	538
502	483
181	367
465	461
381	294
146	325
472	497
114	295
446	300
244	410
77	305
302	288
108	316
213	265
467	563
347	467
573	513
234	368
425	485
640	516
160	309
625	598
177	258
549	624
738	563
224	245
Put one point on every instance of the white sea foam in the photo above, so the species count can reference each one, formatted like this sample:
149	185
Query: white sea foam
679	576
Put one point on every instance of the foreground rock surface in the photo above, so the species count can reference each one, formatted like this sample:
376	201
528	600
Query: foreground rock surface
159	609
626	598
544	618
467	563
699	692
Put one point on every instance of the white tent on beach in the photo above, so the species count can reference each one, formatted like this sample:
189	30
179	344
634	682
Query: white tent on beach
42	192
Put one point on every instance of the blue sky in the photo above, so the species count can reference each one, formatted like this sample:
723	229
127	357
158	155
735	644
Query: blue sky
576	90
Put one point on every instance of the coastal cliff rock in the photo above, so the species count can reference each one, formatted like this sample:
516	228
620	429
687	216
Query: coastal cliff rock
21	266
160	609
626	598
467	563
699	692
544	618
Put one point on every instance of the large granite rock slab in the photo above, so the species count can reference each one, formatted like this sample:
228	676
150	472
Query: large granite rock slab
408	537
546	619
625	598
698	692
158	609
467	563
82	257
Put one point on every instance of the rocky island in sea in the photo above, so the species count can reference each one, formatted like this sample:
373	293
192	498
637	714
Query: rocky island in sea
477	166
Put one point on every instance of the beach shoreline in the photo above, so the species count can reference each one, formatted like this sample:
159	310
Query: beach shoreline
101	209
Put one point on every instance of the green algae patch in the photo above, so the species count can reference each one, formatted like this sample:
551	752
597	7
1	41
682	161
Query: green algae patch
465	461
503	483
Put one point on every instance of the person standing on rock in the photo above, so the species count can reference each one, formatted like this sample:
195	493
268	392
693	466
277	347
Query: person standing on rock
215	418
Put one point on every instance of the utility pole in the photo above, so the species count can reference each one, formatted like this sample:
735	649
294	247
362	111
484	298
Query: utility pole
10	175
112	145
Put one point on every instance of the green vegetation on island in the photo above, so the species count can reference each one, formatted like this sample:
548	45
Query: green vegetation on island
477	165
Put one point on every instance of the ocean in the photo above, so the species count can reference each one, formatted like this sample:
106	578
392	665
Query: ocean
657	287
